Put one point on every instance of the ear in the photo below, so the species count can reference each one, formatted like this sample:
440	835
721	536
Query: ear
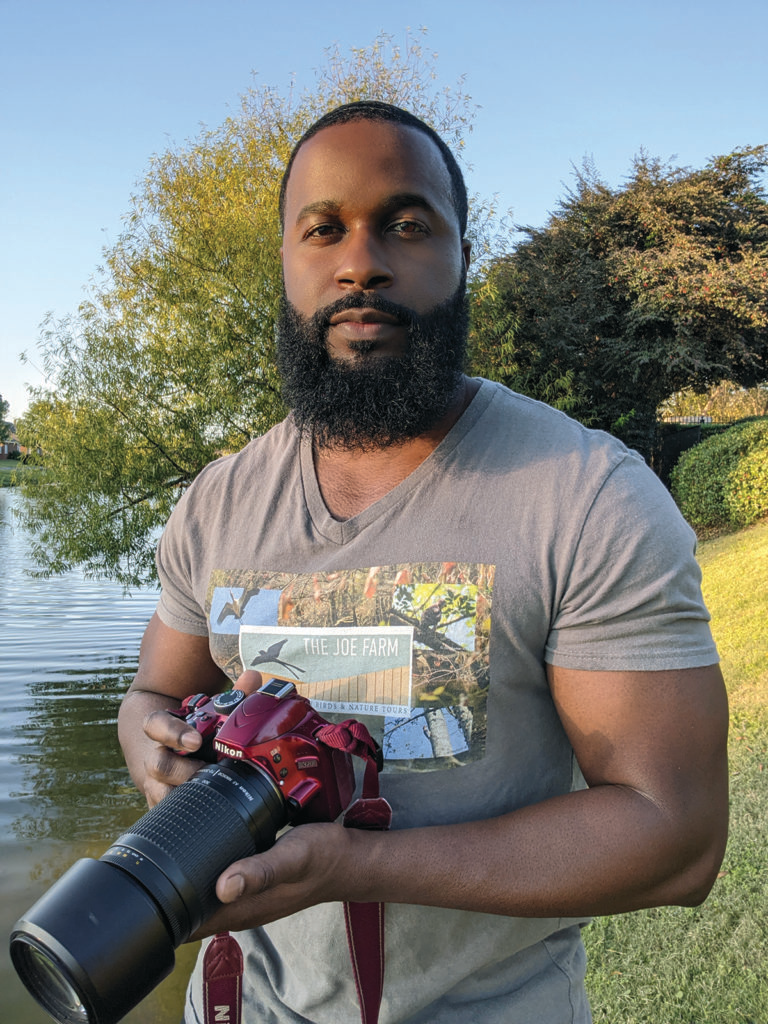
466	252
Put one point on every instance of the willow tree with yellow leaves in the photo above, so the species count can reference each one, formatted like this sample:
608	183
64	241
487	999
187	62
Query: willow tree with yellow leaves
170	361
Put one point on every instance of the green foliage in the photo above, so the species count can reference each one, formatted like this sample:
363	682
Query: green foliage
723	482
494	347
170	361
735	585
645	290
5	427
723	401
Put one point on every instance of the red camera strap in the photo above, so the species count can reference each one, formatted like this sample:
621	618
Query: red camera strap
223	959
364	921
223	981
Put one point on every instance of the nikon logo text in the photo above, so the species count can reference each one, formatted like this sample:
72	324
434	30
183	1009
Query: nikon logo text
222	1015
224	749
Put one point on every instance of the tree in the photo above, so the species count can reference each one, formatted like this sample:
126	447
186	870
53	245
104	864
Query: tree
170	361
724	401
5	427
630	295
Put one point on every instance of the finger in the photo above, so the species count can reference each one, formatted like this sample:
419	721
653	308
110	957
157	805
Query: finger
170	768
155	791
292	860
234	884
290	876
250	681
252	876
171	731
164	772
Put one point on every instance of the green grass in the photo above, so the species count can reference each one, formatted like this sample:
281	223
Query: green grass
8	468
709	964
11	470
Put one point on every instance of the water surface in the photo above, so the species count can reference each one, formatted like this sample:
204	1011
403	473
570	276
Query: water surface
68	651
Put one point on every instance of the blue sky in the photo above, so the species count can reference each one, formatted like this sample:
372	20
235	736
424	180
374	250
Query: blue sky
90	90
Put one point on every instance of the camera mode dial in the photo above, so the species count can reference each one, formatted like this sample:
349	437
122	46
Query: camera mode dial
225	703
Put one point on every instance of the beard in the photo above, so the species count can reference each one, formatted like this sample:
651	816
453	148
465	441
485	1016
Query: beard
378	401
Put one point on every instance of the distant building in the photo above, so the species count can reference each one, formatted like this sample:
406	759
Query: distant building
692	420
11	447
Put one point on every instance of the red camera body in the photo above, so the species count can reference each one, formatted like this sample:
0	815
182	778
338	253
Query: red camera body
276	729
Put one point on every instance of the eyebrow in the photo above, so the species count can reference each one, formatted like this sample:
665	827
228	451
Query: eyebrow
397	201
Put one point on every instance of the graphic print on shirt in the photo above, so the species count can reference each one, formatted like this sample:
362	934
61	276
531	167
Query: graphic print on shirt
402	648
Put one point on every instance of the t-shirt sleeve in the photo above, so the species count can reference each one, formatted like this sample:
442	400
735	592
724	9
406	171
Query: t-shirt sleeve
631	597
179	607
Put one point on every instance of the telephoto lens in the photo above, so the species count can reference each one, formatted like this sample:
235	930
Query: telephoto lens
104	935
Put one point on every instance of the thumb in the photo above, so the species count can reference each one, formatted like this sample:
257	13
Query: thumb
245	877
293	857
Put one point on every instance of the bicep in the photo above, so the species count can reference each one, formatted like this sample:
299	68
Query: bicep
176	664
663	734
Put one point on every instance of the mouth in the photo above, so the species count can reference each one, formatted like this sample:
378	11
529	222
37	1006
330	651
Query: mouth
362	332
363	316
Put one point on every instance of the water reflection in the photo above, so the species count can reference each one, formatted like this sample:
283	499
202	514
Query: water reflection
68	650
74	778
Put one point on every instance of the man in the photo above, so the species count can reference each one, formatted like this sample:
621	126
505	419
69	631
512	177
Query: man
544	585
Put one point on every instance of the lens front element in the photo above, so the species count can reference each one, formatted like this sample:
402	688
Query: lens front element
40	972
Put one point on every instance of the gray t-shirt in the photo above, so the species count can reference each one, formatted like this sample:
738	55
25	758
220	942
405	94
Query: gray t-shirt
523	539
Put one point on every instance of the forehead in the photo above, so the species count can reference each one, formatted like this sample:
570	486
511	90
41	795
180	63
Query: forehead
362	162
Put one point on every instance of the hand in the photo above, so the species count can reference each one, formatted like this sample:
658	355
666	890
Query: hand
309	864
164	765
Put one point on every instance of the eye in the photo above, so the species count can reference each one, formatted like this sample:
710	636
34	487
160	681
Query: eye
324	230
407	227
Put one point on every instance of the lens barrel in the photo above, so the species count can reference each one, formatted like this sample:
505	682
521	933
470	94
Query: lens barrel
104	935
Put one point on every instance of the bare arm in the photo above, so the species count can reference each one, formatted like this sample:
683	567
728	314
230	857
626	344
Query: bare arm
650	829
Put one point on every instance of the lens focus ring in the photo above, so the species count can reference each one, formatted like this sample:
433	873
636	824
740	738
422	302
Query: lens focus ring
225	812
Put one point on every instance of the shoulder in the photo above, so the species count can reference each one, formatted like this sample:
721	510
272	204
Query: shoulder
281	441
558	462
239	475
527	422
226	487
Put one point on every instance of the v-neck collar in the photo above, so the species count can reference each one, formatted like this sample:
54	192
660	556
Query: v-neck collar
343	531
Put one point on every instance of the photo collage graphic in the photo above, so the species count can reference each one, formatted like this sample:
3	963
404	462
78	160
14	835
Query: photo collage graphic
402	648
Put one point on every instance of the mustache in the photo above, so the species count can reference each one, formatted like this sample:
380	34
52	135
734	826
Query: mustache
360	300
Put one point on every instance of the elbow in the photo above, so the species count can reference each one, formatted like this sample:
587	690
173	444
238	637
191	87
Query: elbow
697	883
693	881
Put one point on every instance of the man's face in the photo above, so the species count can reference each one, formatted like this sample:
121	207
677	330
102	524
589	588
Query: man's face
374	268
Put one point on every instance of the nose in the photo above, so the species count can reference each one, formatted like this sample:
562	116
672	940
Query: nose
363	262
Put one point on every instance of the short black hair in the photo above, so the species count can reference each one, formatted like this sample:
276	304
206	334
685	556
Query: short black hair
376	110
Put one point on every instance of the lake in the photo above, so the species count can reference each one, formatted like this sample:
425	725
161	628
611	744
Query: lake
68	651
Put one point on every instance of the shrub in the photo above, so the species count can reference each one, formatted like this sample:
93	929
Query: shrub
723	482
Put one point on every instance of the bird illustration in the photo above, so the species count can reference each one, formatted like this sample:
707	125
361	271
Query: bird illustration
430	617
236	605
270	657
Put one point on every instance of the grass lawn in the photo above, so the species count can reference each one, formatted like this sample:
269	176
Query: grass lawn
11	470
7	468
709	964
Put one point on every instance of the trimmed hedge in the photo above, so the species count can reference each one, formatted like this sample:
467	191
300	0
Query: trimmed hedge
723	482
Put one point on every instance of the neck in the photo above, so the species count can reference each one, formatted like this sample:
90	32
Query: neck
352	480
